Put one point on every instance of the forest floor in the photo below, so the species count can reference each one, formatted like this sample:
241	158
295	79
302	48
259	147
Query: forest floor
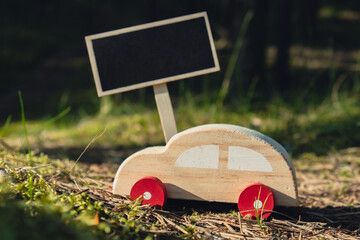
329	202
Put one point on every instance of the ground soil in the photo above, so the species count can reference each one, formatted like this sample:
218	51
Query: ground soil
329	203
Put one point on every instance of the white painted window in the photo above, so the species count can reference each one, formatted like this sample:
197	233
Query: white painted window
204	156
246	159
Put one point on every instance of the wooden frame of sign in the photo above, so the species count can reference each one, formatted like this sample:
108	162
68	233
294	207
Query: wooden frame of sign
153	54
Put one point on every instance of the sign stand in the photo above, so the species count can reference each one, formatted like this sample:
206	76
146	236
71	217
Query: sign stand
165	110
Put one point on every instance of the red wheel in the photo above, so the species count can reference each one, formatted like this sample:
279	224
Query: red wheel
256	200
151	189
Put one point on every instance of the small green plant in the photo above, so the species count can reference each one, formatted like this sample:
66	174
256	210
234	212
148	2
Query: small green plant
135	208
24	126
191	232
259	215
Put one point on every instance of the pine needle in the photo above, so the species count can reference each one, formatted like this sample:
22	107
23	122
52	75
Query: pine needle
86	148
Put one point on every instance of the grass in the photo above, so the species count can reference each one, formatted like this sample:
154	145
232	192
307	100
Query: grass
23	121
37	198
233	60
4	128
313	128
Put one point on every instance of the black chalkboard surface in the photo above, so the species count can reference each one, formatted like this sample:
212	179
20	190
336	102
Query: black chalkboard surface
152	53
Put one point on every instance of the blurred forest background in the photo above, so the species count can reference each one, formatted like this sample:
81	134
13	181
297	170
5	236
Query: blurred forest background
291	54
293	50
289	46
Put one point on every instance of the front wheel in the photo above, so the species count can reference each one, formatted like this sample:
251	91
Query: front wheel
151	190
256	201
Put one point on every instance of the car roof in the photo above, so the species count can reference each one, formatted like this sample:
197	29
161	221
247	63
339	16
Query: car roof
237	129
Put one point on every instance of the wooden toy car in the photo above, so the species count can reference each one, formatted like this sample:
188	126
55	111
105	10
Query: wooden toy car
215	162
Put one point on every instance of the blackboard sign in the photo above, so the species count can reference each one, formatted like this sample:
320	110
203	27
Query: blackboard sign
152	53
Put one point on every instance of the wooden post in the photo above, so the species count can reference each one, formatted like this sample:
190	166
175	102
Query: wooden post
165	110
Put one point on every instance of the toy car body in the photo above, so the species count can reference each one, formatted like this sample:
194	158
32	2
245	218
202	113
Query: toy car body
213	162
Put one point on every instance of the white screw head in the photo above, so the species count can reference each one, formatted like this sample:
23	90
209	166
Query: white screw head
147	196
257	204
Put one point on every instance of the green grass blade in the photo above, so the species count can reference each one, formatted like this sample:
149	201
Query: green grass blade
5	127
258	218
24	126
59	116
233	59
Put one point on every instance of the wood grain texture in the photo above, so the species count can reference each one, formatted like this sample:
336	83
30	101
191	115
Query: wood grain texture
165	110
92	58
202	183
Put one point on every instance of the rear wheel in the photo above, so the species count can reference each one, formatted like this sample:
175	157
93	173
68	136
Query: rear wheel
256	201
151	190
